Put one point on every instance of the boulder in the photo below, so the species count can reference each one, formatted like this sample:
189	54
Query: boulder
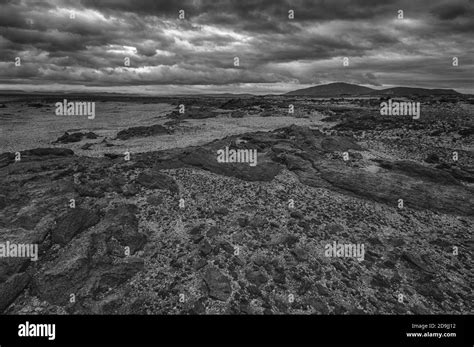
41	152
122	225
73	222
154	179
218	284
11	288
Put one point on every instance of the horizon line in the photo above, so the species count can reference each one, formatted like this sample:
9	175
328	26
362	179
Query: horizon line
202	93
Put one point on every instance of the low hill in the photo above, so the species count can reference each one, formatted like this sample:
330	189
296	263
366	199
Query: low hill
406	91
332	89
343	89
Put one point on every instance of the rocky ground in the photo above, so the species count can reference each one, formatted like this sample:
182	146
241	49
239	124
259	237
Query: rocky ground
176	232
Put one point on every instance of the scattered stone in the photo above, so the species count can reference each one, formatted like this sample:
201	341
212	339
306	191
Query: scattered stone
355	155
432	158
205	248
300	254
243	221
75	137
129	189
213	232
322	290
419	309
142	131
92	262
196	233
226	246
198	307
289	239
11	288
258	222
296	214
154	200
114	155
430	290
36	105
413	169
73	222
380	281
200	263
122	225
222	211
416	261
256	277
157	180
87	146
42	152
319	306
237	114
238	260
339	144
218	284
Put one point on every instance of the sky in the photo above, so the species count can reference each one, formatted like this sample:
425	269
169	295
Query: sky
82	45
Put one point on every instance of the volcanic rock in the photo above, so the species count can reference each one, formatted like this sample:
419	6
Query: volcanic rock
153	179
142	131
75	221
11	288
218	284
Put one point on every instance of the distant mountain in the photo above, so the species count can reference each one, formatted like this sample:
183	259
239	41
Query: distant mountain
340	89
219	95
11	91
406	91
333	89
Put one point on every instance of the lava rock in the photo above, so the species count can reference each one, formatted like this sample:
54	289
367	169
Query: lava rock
416	261
243	221
222	211
196	232
432	158
296	214
213	232
205	248
300	254
87	146
380	281
122	225
42	152
72	223
75	137
142	131
258	222
322	290
256	277
218	284
200	263
129	189
11	288
156	180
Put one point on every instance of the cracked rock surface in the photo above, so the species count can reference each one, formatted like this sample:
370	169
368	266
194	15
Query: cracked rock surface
176	232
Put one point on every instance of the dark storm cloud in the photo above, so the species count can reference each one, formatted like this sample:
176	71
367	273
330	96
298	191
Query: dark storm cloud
454	9
85	42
